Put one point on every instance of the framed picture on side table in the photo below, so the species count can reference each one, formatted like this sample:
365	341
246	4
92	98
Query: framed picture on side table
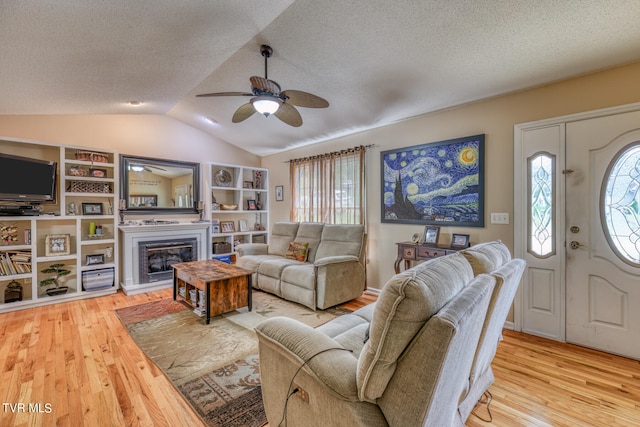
431	235
460	241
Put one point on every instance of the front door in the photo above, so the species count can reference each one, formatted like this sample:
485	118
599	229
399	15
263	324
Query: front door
602	235
577	224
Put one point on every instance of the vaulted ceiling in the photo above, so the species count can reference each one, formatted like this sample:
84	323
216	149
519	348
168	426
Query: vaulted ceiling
376	62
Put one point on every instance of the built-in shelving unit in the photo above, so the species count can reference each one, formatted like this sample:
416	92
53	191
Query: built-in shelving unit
78	230
240	196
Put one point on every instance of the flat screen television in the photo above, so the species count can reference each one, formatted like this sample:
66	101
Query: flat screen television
23	179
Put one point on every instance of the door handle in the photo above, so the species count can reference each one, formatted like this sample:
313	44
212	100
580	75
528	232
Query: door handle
576	245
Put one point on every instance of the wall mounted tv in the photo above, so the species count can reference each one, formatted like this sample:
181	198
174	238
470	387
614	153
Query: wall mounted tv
27	180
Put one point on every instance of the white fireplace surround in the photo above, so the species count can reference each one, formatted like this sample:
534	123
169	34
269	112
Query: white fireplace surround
131	235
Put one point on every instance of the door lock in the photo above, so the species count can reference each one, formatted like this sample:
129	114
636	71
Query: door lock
575	229
575	245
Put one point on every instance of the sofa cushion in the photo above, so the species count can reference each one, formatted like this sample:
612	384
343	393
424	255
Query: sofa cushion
282	234
310	232
297	251
341	239
487	257
252	262
405	304
273	267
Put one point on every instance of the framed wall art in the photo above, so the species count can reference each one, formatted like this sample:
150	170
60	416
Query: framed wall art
440	183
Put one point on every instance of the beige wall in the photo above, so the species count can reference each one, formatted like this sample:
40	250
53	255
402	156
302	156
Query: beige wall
495	118
141	135
164	137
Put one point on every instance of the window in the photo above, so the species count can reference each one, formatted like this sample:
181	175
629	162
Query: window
541	205
329	188
620	204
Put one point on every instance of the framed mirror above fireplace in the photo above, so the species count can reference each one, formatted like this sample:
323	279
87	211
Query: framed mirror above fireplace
149	185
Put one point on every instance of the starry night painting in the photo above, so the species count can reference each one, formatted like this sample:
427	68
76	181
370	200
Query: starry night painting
440	183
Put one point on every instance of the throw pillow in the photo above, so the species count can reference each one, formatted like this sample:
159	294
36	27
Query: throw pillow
297	251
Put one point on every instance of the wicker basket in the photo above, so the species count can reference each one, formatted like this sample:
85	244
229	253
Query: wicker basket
89	187
221	247
91	156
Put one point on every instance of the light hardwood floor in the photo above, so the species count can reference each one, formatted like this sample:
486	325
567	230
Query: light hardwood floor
79	364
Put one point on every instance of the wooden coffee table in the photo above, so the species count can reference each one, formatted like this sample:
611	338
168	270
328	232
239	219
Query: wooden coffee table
226	286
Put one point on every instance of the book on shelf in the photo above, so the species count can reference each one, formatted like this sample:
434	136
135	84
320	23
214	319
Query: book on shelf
15	262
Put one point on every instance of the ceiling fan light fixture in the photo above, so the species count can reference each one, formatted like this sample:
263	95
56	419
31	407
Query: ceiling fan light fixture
265	105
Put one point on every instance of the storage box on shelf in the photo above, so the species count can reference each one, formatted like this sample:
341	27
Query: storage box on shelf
239	206
73	236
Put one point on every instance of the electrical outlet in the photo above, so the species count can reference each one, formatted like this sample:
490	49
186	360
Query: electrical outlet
499	218
301	393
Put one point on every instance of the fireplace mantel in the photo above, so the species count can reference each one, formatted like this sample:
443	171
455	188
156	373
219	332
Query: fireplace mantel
131	235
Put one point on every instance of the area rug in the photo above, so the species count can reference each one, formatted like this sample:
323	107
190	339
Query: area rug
215	367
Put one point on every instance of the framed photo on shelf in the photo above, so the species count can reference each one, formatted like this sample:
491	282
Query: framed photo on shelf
251	205
215	226
247	184
57	245
279	193
227	226
92	209
94	259
98	173
459	241
243	225
431	235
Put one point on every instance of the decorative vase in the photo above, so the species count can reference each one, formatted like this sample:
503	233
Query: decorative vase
57	291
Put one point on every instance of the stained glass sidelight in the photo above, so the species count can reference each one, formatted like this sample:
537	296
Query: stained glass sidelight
620	204
541	205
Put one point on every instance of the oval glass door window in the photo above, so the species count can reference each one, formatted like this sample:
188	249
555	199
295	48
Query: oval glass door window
621	204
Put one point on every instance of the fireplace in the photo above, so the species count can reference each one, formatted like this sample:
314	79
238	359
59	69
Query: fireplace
135	275
157	256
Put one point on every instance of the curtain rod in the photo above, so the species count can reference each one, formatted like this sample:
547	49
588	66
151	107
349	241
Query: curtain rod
332	153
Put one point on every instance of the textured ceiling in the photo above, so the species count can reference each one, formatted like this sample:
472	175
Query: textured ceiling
376	62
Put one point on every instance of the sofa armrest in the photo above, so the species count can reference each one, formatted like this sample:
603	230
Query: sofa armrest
335	260
252	249
333	366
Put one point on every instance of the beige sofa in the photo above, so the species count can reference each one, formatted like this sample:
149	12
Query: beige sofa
419	356
332	273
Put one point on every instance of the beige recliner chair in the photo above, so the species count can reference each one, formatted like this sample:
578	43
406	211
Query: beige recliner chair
403	361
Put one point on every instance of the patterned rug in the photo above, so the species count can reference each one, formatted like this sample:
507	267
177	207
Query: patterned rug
215	367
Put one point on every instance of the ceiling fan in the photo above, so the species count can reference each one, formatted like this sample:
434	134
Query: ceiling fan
269	99
147	168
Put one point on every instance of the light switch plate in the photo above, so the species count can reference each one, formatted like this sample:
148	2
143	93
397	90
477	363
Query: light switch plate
499	218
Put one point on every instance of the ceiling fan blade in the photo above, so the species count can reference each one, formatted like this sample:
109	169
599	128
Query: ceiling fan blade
226	94
288	114
265	84
244	112
304	99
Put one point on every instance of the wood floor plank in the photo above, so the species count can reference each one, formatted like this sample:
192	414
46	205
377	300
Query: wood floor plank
78	357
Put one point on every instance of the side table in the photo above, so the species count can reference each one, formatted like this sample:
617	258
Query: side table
409	251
